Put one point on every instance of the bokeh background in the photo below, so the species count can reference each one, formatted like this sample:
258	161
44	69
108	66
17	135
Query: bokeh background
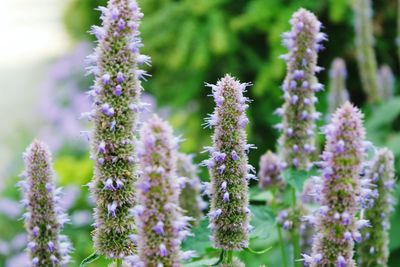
42	83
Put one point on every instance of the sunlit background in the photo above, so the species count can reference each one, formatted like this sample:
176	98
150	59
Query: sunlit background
43	45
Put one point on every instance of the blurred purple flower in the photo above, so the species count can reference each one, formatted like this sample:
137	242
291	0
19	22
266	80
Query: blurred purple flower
20	260
62	99
10	208
18	242
4	248
69	196
81	218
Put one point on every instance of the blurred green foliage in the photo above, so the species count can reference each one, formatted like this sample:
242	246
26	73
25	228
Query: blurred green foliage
192	42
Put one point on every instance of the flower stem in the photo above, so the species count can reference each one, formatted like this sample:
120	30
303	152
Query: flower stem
274	206
229	258
282	246
118	262
295	236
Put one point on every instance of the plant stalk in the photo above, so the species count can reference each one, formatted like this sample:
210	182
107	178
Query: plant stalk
295	236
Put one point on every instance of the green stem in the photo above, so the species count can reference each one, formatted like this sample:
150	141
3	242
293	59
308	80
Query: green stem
295	235
274	205
229	257
294	198
118	262
282	246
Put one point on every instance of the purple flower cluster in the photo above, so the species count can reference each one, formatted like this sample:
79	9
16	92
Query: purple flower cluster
116	103
228	166
62	99
299	87
44	217
341	191
161	225
338	94
374	250
386	81
270	173
190	198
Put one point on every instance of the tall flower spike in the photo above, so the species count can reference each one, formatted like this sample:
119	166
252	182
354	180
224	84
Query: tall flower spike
190	198
335	221
365	49
44	218
228	166
299	87
386	82
161	226
374	250
116	101
338	94
270	173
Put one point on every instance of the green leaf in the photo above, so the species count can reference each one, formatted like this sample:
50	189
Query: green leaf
90	259
256	194
262	220
201	263
199	241
296	178
257	252
384	114
337	10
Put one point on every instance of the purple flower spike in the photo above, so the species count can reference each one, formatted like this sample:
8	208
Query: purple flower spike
46	218
299	88
161	226
337	229
377	215
338	93
229	171
386	81
190	198
271	168
116	88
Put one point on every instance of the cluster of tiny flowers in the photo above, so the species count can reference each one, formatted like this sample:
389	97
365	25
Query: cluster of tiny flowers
116	92
374	251
228	166
289	219
340	194
365	48
44	217
190	198
299	87
270	173
338	94
386	83
161	225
